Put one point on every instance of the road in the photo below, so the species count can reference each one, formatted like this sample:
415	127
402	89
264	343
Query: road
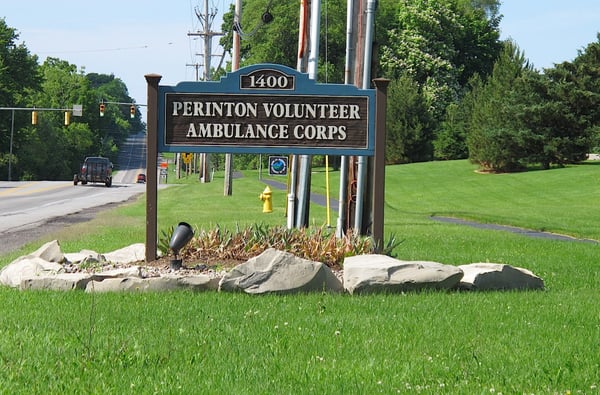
131	159
29	210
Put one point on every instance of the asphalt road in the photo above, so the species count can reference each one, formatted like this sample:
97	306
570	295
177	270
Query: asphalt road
30	210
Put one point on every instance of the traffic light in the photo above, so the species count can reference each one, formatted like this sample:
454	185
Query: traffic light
132	111
102	108
67	118
34	116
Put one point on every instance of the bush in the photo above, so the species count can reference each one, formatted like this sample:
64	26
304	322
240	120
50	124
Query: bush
320	244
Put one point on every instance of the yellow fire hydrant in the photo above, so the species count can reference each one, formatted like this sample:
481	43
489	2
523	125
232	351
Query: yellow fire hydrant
266	198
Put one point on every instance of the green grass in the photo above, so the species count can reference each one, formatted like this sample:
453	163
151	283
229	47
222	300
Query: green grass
432	342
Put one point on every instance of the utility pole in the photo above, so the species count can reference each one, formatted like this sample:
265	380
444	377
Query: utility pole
235	64
206	19
196	67
349	70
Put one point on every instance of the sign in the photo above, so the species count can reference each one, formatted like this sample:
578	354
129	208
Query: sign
187	158
278	165
77	110
274	90
266	108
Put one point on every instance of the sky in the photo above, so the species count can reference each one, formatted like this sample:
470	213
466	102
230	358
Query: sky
133	38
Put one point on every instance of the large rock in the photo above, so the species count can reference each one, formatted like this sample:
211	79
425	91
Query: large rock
27	267
85	257
276	271
130	254
164	283
374	273
45	270
58	282
49	252
497	276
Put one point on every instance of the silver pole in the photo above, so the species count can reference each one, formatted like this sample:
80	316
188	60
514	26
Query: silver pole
293	201
12	132
348	78
305	160
366	83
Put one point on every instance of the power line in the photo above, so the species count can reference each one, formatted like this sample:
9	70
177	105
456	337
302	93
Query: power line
96	50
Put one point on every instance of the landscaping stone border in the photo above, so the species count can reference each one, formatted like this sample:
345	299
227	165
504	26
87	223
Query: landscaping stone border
273	271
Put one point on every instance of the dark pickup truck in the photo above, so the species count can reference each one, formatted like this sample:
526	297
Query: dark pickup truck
95	169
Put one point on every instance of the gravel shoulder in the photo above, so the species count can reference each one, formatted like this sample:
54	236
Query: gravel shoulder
12	241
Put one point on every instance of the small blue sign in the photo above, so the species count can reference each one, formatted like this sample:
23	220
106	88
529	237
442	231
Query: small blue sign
278	165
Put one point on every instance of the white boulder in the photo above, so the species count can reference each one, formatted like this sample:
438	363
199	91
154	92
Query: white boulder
276	271
27	267
153	284
130	254
498	276
373	273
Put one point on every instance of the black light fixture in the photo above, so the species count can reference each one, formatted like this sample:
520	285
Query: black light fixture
267	17
182	234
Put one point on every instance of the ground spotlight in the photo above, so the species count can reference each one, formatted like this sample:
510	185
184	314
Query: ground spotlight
182	234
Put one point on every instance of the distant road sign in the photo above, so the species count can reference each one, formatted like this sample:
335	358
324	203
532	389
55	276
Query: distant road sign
187	158
77	110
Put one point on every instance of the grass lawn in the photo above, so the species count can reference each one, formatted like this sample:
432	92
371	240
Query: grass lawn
433	342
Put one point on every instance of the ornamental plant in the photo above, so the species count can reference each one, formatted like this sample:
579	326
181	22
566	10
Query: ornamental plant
220	245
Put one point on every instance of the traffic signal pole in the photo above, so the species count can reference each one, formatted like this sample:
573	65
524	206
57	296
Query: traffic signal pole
77	111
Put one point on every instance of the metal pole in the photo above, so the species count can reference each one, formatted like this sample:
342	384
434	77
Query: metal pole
369	44
305	160
366	83
293	204
315	24
12	132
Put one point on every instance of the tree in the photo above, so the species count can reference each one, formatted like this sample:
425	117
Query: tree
441	45
521	117
18	68
588	71
558	110
451	137
54	150
497	139
409	124
18	74
116	125
277	41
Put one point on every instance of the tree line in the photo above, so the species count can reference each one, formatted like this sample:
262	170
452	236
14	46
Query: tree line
51	150
457	90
